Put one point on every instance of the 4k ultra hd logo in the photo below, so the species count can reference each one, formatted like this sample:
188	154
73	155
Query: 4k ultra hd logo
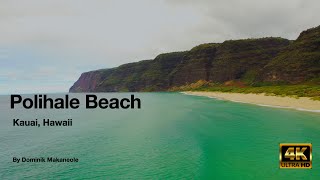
296	155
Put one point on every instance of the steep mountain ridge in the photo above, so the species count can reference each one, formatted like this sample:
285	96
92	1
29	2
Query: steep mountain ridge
251	61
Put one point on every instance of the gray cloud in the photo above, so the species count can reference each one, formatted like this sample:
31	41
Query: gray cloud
254	18
78	34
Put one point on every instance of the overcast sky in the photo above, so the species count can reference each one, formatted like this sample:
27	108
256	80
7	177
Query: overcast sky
46	44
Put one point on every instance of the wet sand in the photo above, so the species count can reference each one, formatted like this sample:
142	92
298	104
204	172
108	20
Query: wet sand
302	103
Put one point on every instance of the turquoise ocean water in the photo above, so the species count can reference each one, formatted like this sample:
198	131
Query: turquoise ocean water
173	136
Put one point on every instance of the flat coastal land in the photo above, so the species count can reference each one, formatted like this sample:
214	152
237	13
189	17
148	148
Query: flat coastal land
302	103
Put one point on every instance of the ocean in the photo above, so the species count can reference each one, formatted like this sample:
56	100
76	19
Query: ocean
172	136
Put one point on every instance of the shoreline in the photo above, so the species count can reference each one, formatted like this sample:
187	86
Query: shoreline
302	104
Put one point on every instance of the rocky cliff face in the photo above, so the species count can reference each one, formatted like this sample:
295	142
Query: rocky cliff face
249	61
195	65
87	82
243	59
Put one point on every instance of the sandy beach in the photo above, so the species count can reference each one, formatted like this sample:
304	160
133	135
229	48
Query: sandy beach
303	103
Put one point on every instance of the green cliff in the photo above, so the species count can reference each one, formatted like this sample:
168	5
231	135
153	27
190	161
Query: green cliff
248	62
298	62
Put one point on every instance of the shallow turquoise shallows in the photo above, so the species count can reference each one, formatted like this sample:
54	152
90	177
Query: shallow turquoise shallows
173	136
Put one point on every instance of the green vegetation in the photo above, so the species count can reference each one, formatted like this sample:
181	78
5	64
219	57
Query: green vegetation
294	91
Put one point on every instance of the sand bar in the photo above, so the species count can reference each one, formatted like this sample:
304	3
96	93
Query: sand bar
302	103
